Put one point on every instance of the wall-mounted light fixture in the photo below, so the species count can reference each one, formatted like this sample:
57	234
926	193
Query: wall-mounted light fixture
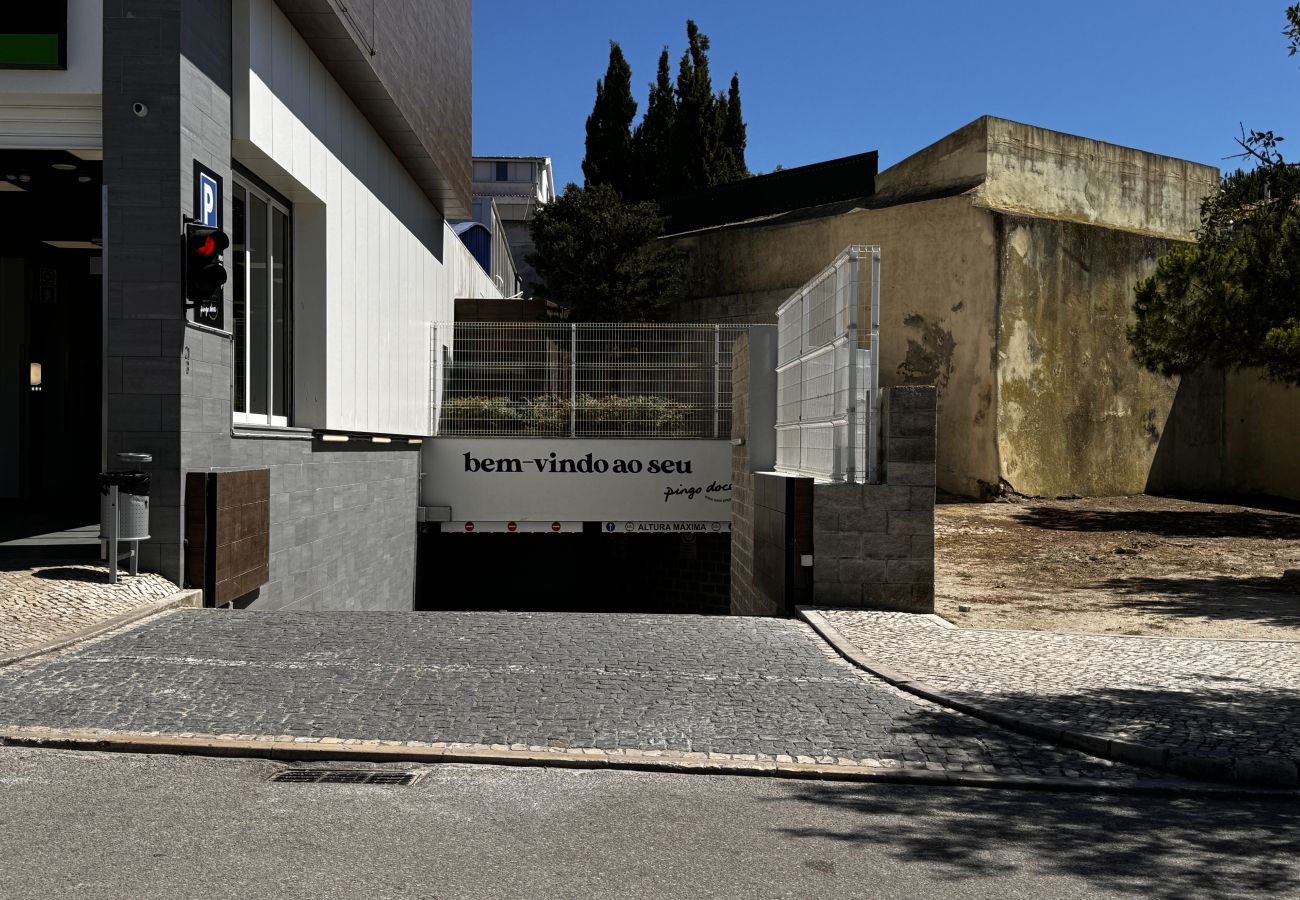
35	377
376	439
415	441
335	438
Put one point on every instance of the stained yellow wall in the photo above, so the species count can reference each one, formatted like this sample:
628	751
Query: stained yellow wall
1076	414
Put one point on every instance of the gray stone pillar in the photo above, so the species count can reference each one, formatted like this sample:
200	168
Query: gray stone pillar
873	544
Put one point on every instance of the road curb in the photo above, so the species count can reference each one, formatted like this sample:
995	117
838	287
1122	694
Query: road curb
286	748
1268	772
183	598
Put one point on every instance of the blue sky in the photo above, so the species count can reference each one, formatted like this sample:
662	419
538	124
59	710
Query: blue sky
825	79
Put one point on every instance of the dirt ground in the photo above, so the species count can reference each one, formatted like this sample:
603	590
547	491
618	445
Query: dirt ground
1120	565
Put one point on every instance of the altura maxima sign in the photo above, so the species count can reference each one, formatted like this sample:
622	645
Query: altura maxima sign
556	479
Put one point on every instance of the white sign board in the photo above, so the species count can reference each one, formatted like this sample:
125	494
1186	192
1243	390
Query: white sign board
578	480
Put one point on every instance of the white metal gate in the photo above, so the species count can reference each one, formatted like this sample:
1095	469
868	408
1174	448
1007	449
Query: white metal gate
828	373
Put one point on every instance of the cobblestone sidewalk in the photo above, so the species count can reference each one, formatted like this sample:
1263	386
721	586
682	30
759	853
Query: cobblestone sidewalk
675	683
44	601
1217	700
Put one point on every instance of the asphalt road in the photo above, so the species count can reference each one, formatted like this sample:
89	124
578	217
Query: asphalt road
93	825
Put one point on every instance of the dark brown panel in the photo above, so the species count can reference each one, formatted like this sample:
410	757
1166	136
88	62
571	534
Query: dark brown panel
228	532
196	528
782	533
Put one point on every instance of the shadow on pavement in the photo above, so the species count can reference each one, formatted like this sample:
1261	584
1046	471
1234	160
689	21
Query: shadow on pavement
1262	599
1167	523
1216	717
1151	847
66	573
56	568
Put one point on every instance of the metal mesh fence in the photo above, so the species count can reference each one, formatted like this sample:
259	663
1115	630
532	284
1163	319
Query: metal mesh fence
583	380
828	396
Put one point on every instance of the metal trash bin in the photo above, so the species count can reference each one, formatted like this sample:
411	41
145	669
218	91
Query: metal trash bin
132	520
124	512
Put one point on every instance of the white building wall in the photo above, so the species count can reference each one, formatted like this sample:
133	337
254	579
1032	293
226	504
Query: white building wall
59	109
374	261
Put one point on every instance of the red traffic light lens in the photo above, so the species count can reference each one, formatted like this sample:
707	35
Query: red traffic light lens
207	248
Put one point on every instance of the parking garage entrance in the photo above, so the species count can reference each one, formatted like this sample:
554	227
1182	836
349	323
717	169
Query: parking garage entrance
585	571
578	467
574	524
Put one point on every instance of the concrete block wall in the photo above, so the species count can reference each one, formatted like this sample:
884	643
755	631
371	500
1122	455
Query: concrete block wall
873	544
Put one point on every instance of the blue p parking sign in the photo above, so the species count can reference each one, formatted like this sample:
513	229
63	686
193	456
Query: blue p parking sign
208	200
207	196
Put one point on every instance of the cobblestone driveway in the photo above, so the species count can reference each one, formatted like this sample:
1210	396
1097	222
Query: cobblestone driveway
1224	699
43	601
726	685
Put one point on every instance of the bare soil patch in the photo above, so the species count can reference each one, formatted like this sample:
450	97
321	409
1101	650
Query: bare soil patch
1120	565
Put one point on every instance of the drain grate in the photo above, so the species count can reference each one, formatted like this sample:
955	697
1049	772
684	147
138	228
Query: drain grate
344	776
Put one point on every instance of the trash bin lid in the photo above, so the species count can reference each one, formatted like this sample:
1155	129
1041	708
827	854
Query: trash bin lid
127	482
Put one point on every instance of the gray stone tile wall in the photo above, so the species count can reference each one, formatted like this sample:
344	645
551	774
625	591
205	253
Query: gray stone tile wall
142	258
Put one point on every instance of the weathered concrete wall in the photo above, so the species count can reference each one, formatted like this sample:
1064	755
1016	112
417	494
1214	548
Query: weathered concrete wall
1261	423
1230	432
1022	168
873	544
1009	258
1076	414
938	305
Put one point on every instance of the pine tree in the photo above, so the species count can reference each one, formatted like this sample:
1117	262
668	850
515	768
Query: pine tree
652	142
1232	300
609	127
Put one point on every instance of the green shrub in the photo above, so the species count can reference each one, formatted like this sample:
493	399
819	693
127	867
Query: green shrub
551	414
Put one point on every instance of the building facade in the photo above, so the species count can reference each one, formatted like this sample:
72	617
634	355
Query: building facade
331	144
518	185
485	235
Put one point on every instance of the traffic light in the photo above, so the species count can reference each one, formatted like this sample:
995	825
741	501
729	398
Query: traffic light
205	273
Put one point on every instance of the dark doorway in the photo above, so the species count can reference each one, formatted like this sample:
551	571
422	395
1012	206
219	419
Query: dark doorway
51	310
590	572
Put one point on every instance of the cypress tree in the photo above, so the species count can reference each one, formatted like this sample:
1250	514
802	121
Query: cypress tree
652	142
696	128
609	127
733	137
689	138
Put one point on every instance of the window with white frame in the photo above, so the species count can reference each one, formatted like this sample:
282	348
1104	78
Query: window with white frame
260	239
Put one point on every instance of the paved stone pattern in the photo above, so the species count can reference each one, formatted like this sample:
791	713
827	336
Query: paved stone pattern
44	602
1222	699
679	683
